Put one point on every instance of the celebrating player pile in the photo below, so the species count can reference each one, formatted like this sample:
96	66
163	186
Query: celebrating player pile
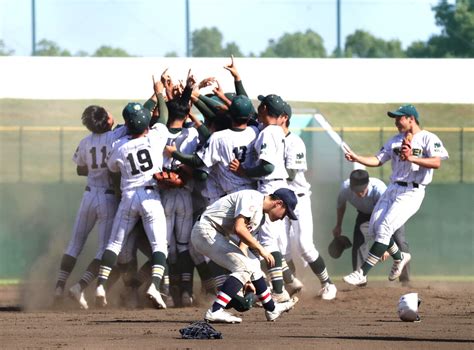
222	196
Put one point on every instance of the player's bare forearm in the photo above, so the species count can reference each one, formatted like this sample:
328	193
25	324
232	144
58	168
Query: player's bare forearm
351	156
430	163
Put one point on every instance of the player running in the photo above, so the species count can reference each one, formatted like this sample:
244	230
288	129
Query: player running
412	162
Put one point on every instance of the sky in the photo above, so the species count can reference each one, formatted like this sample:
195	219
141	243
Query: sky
153	28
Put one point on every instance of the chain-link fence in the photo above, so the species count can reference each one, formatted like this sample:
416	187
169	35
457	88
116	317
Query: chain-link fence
43	154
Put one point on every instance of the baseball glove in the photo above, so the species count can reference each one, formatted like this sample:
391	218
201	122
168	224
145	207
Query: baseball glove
169	179
200	330
405	151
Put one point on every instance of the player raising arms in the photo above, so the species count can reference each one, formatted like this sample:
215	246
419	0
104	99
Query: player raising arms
414	153
137	157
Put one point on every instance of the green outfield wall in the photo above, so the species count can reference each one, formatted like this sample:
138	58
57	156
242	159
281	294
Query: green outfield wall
36	220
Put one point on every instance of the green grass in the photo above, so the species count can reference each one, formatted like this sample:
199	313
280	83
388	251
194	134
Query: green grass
6	282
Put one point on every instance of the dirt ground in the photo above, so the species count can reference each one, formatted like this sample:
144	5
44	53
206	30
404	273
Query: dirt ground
360	318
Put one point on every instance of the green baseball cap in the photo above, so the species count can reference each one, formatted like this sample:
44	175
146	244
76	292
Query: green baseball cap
406	110
241	107
274	103
287	109
137	118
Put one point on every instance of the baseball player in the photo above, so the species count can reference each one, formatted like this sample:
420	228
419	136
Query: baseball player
137	157
271	174
363	192
240	214
177	203
234	143
300	232
99	202
413	153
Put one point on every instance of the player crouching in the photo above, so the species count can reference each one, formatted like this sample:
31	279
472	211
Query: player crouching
224	233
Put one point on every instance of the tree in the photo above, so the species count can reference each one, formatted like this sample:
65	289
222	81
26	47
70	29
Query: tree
50	48
308	44
4	51
207	42
171	54
108	51
232	49
457	32
364	45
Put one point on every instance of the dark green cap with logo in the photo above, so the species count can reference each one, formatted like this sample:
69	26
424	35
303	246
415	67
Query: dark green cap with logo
137	118
241	107
274	103
405	110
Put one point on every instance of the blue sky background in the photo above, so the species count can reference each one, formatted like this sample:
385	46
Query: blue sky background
156	27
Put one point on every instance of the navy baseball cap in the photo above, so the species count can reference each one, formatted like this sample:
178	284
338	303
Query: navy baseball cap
405	110
289	198
137	118
359	179
274	103
241	107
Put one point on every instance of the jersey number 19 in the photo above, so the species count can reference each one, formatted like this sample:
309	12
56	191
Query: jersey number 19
144	160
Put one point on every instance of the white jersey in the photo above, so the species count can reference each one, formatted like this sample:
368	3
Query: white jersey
92	152
270	146
221	214
366	205
138	159
224	146
424	145
295	159
186	141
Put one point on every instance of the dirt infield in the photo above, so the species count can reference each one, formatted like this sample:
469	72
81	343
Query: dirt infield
360	318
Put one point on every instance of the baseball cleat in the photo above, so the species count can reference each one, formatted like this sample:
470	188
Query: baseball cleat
281	308
328	291
186	299
294	287
281	297
221	316
154	295
100	299
76	293
356	278
398	266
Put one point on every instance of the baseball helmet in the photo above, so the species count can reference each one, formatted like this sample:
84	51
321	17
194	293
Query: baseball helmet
338	245
241	107
137	118
408	307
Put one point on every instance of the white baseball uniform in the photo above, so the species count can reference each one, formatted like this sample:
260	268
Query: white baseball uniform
177	202
270	146
99	202
299	232
137	160
406	191
212	234
223	147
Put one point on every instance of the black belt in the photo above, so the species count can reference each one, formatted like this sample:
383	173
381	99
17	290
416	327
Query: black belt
88	189
149	187
406	184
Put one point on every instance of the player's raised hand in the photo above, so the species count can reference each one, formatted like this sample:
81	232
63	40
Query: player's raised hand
206	82
190	80
232	69
158	86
